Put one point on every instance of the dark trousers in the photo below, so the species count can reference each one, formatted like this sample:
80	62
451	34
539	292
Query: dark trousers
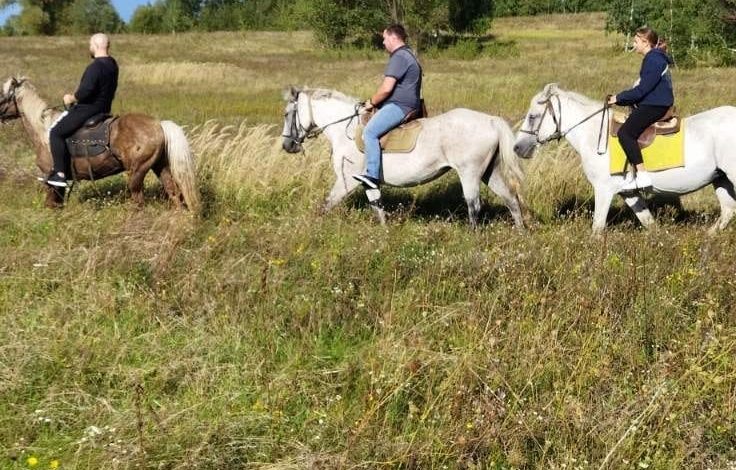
67	126
637	122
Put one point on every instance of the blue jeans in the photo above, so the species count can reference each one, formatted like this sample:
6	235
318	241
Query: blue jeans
387	118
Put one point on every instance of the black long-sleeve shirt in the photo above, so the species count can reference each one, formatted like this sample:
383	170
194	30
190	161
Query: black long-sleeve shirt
99	83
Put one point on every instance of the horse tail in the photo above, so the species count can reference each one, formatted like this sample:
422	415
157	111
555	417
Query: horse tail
181	162
507	161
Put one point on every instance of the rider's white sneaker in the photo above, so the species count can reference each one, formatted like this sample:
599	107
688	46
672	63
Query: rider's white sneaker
641	181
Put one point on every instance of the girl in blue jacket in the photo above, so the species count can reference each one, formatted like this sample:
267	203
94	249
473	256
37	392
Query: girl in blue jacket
652	97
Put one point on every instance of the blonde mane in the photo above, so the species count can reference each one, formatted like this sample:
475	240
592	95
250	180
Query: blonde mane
35	110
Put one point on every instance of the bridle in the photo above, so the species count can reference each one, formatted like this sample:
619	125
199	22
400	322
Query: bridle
558	134
298	133
6	100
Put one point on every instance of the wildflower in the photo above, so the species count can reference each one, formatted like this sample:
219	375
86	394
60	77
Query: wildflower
32	461
54	464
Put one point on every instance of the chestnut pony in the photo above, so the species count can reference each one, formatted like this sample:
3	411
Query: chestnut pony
138	143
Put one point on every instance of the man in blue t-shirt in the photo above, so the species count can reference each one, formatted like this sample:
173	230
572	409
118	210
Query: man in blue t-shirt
396	98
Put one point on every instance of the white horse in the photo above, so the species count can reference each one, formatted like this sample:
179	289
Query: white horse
710	152
476	145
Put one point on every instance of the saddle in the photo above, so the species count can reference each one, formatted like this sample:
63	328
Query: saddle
93	138
669	124
401	139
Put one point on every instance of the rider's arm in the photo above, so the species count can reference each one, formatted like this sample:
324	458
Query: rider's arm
87	85
651	74
383	92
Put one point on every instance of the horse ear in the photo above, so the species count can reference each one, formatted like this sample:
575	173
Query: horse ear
291	92
549	90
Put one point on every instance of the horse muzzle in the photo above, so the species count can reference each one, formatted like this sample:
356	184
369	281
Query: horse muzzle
524	148
291	145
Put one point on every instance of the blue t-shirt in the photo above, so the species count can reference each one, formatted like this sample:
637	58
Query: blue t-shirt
403	66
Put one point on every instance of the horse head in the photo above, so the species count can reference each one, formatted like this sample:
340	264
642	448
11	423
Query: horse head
297	119
8	99
541	123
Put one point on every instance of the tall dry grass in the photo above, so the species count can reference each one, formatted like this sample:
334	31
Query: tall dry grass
264	335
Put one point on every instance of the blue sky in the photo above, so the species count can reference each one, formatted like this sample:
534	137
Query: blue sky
125	9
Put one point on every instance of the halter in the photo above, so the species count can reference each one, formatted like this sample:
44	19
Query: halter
558	134
10	97
313	130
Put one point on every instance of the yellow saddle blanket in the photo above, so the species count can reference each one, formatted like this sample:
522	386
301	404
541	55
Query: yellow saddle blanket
402	139
667	151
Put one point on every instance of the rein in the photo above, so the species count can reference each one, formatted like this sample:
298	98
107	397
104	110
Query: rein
314	131
558	134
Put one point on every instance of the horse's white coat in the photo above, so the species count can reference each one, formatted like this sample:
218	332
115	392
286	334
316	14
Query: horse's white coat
461	139
710	153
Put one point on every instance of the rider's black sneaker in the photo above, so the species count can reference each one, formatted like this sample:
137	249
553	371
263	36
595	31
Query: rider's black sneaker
54	179
368	181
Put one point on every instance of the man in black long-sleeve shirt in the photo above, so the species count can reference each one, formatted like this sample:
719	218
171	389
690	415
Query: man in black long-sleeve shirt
94	96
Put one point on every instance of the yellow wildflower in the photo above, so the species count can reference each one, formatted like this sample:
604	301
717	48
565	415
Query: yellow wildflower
54	464
32	461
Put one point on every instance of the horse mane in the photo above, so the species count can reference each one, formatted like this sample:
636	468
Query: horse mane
582	99
34	107
325	94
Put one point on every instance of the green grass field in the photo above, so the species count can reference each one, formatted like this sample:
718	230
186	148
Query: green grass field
265	335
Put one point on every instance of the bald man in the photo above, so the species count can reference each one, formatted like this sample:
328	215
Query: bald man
93	96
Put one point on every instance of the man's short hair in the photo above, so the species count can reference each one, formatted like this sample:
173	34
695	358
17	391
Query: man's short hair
397	30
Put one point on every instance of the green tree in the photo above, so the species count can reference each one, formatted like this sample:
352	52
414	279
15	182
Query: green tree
339	21
166	16
179	15
238	14
537	7
147	19
695	30
91	16
361	21
470	15
36	16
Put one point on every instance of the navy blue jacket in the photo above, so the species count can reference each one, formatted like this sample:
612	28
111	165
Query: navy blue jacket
655	82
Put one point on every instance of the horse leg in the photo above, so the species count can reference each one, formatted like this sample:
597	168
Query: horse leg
471	191
342	166
497	184
374	200
603	199
135	184
163	172
639	205
340	189
138	174
727	198
54	198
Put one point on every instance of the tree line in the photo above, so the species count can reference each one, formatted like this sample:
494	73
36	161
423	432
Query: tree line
697	30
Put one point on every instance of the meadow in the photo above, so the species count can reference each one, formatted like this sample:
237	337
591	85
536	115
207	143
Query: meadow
263	334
